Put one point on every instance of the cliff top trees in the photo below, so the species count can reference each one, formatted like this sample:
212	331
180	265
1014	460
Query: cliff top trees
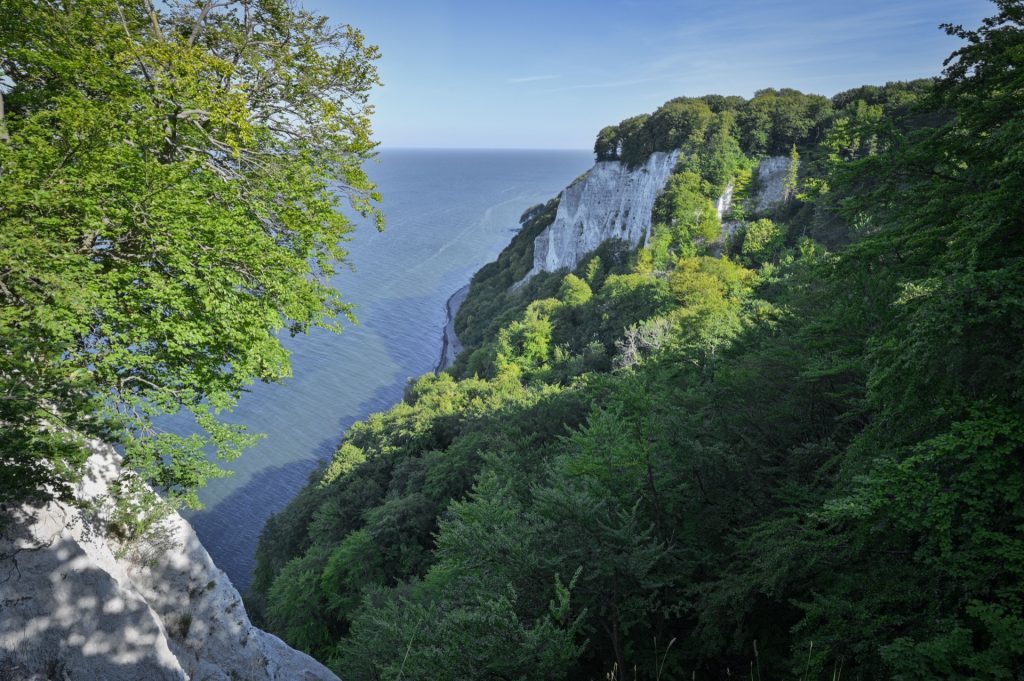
768	124
168	193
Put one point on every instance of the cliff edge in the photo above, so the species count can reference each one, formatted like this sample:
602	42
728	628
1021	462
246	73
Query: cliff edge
73	608
614	201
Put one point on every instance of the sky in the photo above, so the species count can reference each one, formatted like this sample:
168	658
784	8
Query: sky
536	74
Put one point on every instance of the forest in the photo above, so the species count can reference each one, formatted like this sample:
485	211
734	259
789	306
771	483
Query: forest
782	445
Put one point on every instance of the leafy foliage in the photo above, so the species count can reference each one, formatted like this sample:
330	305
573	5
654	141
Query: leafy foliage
169	186
797	461
772	122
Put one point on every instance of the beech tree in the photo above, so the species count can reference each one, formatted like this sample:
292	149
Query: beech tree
170	183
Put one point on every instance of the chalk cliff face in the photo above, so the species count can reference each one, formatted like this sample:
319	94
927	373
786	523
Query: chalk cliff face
71	609
614	202
611	201
770	191
771	182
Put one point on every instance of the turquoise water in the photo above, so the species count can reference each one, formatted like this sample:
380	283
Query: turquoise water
448	213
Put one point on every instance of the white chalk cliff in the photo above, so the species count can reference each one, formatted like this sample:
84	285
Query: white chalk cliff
71	609
611	201
772	173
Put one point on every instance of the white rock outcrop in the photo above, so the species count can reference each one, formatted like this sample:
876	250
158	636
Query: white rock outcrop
769	191
725	201
71	609
611	201
771	182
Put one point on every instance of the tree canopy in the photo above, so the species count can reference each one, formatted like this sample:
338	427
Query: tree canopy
791	450
770	123
170	182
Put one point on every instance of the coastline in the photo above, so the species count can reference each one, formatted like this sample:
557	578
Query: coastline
450	345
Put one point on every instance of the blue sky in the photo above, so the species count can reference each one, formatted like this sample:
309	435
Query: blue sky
549	75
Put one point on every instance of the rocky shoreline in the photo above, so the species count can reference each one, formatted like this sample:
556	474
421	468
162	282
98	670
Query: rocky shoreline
450	344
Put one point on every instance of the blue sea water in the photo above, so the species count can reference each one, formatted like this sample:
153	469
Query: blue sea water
448	213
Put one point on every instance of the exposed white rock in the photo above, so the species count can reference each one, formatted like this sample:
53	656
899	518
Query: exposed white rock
771	182
70	609
609	202
725	201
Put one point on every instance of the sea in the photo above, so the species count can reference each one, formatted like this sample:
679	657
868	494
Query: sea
448	213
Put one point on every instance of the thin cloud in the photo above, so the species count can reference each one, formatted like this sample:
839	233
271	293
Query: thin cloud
614	83
628	82
531	79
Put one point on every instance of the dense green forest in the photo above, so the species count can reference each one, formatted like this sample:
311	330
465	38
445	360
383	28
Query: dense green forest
790	452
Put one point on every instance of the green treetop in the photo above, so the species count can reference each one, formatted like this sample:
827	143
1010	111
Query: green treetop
169	190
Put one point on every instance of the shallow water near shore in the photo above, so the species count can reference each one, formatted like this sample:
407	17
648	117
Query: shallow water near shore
448	213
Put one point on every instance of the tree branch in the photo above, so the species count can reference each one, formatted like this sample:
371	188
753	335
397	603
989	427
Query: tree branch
154	20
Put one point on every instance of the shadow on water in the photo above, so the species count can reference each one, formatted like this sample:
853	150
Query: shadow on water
230	529
417	352
448	214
